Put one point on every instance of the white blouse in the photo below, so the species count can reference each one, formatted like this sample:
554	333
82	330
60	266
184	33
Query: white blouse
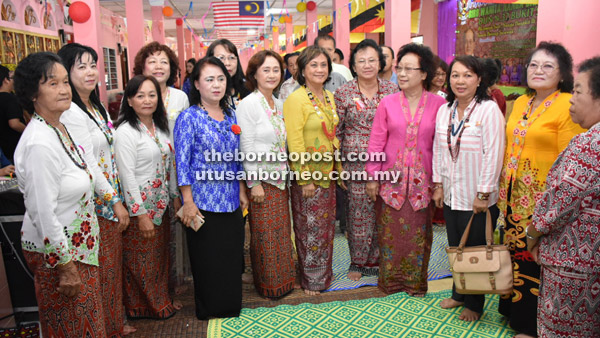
99	155
146	171
175	102
263	132
60	221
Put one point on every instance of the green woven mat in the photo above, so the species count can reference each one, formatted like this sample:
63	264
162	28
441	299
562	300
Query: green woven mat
397	315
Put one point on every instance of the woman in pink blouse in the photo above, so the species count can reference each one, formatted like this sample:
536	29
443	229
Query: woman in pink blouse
467	159
403	128
563	236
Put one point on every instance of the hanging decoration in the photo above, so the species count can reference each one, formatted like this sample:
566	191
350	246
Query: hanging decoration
167	11
262	38
301	7
311	5
288	19
179	21
80	12
282	19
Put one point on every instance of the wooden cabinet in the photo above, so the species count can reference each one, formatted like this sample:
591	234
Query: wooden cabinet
16	45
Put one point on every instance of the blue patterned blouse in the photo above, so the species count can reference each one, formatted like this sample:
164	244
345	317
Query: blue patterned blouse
214	184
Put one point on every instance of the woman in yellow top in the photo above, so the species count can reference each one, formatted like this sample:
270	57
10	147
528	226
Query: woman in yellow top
538	129
310	121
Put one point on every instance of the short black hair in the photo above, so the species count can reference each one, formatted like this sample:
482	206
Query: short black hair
339	53
593	66
390	49
426	62
287	57
195	97
31	71
70	54
364	44
491	72
324	37
4	74
128	115
304	59
565	65
473	64
238	79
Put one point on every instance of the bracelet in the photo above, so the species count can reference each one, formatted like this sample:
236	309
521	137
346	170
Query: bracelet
528	235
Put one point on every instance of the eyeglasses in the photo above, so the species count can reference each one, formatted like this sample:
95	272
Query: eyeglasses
442	74
408	70
363	62
546	67
231	58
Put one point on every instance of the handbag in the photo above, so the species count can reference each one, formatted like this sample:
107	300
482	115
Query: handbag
482	269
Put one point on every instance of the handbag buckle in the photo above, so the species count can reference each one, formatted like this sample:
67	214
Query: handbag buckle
492	280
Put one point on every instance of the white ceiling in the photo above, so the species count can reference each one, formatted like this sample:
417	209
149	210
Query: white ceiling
200	7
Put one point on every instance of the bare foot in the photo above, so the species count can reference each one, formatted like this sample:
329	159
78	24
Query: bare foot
450	303
247	278
354	275
522	335
128	329
177	305
468	315
311	292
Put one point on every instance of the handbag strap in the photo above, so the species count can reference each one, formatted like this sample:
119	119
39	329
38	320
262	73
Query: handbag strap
488	232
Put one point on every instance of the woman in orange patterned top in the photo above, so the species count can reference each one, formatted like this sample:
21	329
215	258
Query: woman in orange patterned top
538	129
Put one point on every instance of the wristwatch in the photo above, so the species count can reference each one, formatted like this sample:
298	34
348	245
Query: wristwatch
483	196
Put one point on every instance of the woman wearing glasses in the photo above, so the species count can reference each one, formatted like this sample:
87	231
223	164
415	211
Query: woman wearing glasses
356	103
404	128
226	51
538	129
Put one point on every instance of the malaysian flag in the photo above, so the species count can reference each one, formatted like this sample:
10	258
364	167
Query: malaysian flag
249	14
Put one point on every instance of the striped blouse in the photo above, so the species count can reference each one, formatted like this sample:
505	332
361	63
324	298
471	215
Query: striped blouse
479	161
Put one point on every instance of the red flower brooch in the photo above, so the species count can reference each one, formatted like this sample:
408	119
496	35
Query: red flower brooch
236	129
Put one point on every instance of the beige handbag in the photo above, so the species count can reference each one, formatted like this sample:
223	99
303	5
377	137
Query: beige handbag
481	269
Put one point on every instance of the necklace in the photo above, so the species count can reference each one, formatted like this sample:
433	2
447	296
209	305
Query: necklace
276	119
223	127
102	125
163	152
454	151
67	143
330	135
166	100
377	98
460	125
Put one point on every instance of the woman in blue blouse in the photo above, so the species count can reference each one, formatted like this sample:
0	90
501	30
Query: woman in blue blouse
211	191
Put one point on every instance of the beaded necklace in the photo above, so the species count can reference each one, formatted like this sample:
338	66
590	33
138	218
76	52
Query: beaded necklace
102	125
377	98
218	125
454	151
166	101
519	133
68	145
163	152
330	135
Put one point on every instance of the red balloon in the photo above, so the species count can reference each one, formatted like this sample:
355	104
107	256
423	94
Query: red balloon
80	12
262	38
179	22
311	5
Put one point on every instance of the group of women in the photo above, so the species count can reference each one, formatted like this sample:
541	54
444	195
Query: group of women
100	229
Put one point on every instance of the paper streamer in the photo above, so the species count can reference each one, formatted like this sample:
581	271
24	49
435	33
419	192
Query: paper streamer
204	17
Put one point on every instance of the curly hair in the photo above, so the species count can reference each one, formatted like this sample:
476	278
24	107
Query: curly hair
151	49
36	68
565	65
473	64
426	60
254	64
593	66
128	115
364	44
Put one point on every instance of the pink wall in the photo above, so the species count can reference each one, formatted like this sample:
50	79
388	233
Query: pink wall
574	24
428	24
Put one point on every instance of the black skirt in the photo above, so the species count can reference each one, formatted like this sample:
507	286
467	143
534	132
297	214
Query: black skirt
216	254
